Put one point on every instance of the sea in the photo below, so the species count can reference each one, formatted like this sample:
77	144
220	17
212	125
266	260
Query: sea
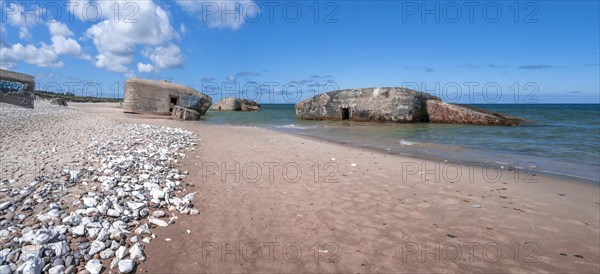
563	140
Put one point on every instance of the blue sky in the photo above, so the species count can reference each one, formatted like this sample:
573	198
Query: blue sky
488	52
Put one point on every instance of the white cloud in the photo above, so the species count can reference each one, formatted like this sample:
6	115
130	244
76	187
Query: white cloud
182	28
114	63
164	57
59	29
218	14
116	39
145	67
64	45
44	56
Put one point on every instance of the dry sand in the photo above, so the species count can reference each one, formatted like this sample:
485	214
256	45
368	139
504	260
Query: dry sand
364	211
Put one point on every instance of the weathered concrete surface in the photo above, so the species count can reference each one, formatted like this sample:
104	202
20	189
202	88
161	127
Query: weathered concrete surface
59	102
150	96
235	104
17	88
182	113
440	112
392	104
388	104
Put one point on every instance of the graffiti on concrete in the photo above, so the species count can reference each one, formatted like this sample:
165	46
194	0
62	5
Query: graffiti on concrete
8	87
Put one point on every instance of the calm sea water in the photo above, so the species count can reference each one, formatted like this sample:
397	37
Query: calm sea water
564	140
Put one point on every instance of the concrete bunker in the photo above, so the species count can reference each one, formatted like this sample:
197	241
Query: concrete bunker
162	97
17	88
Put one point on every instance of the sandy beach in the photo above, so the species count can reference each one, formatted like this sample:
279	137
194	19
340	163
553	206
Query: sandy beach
275	202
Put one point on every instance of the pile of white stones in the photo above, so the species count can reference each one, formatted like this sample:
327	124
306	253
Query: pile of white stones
131	185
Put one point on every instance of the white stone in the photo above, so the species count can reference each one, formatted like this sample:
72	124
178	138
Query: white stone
136	252
121	252
31	251
114	263
73	219
143	229
135	206
118	208
74	174
59	269
89	201
5	269
59	248
33	265
157	194
126	265
112	213
5	205
102	235
102	209
39	236
158	222
158	214
94	266
106	254
96	247
117	234
78	230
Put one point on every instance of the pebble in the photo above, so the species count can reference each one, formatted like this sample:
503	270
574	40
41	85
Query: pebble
70	269
5	269
126	265
57	269
121	252
126	179
94	266
58	262
5	205
158	222
106	254
158	214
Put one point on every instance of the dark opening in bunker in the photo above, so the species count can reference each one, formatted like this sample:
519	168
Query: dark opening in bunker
345	113
174	102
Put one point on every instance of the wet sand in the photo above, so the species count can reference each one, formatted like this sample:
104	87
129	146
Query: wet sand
324	207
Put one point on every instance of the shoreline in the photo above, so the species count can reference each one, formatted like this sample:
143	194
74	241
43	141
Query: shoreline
374	214
548	173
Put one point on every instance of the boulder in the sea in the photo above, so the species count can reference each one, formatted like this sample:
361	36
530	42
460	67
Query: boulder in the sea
235	104
394	104
59	102
185	113
440	112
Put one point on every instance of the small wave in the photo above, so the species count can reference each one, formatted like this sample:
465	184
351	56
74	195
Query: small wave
290	126
406	143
